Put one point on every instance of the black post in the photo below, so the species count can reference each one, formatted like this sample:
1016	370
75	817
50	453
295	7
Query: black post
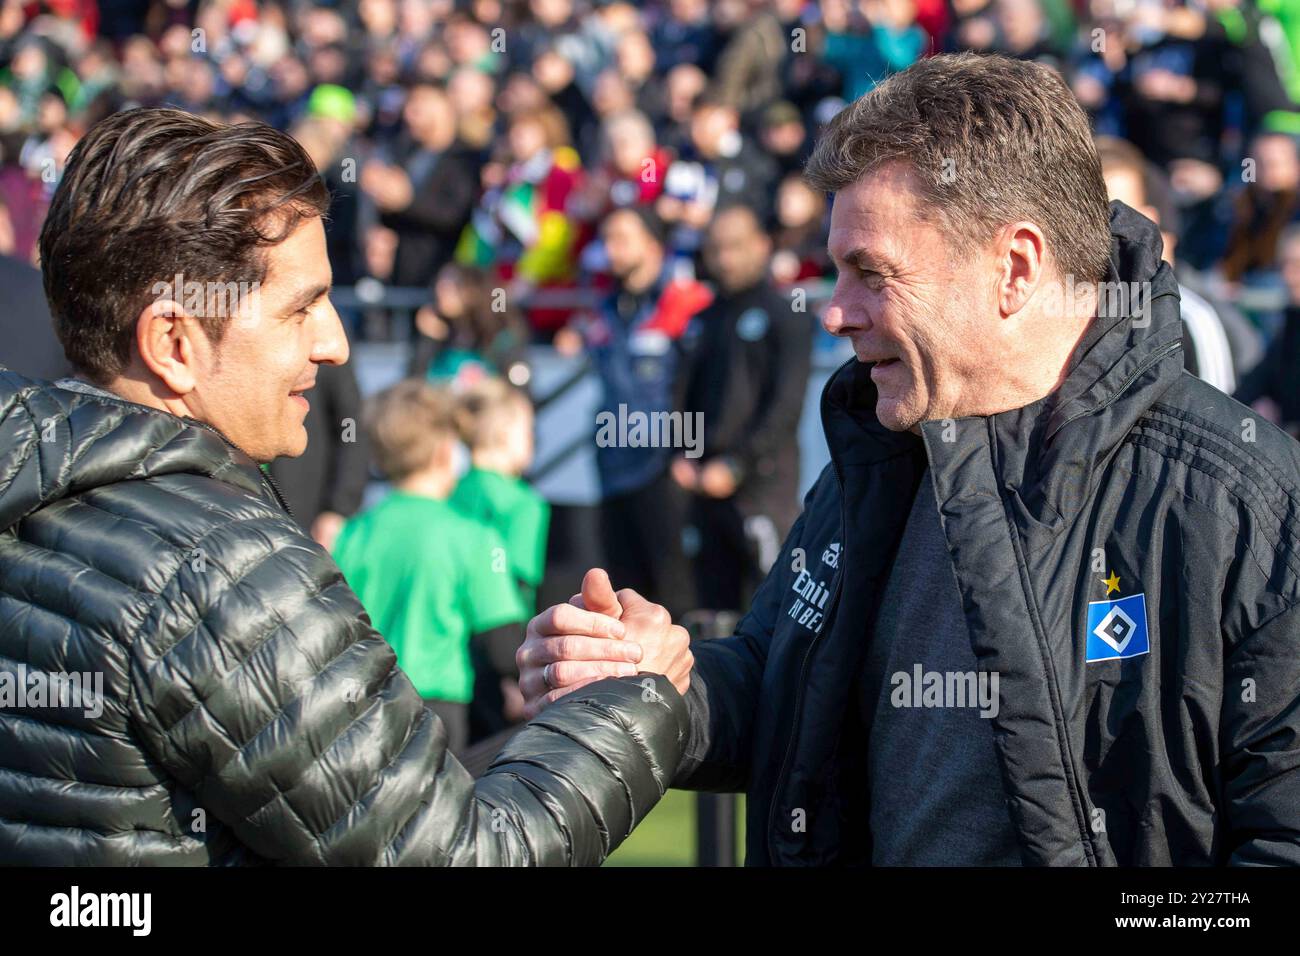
715	829
715	813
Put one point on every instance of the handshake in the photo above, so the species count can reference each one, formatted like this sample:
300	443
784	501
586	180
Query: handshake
599	634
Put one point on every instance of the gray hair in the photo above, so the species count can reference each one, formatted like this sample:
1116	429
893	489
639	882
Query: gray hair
991	140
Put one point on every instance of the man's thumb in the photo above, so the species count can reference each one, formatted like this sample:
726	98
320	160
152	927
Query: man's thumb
598	594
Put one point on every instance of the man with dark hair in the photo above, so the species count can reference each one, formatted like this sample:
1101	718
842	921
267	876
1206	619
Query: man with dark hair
636	341
223	697
1043	606
428	193
745	375
719	170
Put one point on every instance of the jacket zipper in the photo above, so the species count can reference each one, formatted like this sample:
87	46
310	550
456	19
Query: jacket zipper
1167	349
807	657
839	586
267	480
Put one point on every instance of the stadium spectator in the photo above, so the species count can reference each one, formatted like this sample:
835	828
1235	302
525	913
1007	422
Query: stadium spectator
426	194
523	226
1269	202
747	75
1176	81
1219	343
1274	384
636	342
784	137
635	58
684	84
721	170
557	80
1023	31
746	375
326	133
866	40
800	239
631	170
470	331
684	34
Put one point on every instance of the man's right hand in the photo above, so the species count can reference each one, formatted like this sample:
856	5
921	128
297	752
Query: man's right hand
599	634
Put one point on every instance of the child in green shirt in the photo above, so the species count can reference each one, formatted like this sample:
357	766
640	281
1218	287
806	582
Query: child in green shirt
435	582
496	423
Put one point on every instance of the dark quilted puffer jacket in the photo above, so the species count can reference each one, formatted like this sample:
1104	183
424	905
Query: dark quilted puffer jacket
249	713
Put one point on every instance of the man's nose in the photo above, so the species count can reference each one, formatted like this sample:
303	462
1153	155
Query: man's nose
838	318
331	346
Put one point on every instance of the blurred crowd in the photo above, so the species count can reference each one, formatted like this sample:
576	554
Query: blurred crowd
622	181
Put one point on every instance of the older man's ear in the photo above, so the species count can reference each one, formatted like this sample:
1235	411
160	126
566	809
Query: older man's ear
1024	247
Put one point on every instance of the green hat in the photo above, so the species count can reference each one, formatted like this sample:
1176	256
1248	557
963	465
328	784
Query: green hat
332	102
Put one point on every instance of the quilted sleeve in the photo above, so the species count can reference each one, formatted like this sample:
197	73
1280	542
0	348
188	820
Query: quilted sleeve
258	682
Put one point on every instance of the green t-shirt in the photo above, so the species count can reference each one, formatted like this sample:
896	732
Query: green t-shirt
430	578
519	514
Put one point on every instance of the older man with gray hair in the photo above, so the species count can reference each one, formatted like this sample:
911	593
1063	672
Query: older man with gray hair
1041	608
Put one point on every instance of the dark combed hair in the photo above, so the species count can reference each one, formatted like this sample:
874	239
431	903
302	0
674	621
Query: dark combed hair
151	193
991	140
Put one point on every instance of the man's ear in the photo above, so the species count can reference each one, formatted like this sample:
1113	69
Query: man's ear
165	337
1023	248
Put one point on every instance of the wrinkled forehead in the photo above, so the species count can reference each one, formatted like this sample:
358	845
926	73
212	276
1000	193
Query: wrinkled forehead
882	210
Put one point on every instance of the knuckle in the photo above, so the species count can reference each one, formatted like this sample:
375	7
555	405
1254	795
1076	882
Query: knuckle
562	616
562	672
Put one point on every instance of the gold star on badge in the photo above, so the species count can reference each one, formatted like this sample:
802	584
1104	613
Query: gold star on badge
1112	582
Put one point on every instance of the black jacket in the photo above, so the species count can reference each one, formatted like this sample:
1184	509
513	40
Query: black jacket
1191	752
249	712
331	474
1277	376
428	229
746	373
